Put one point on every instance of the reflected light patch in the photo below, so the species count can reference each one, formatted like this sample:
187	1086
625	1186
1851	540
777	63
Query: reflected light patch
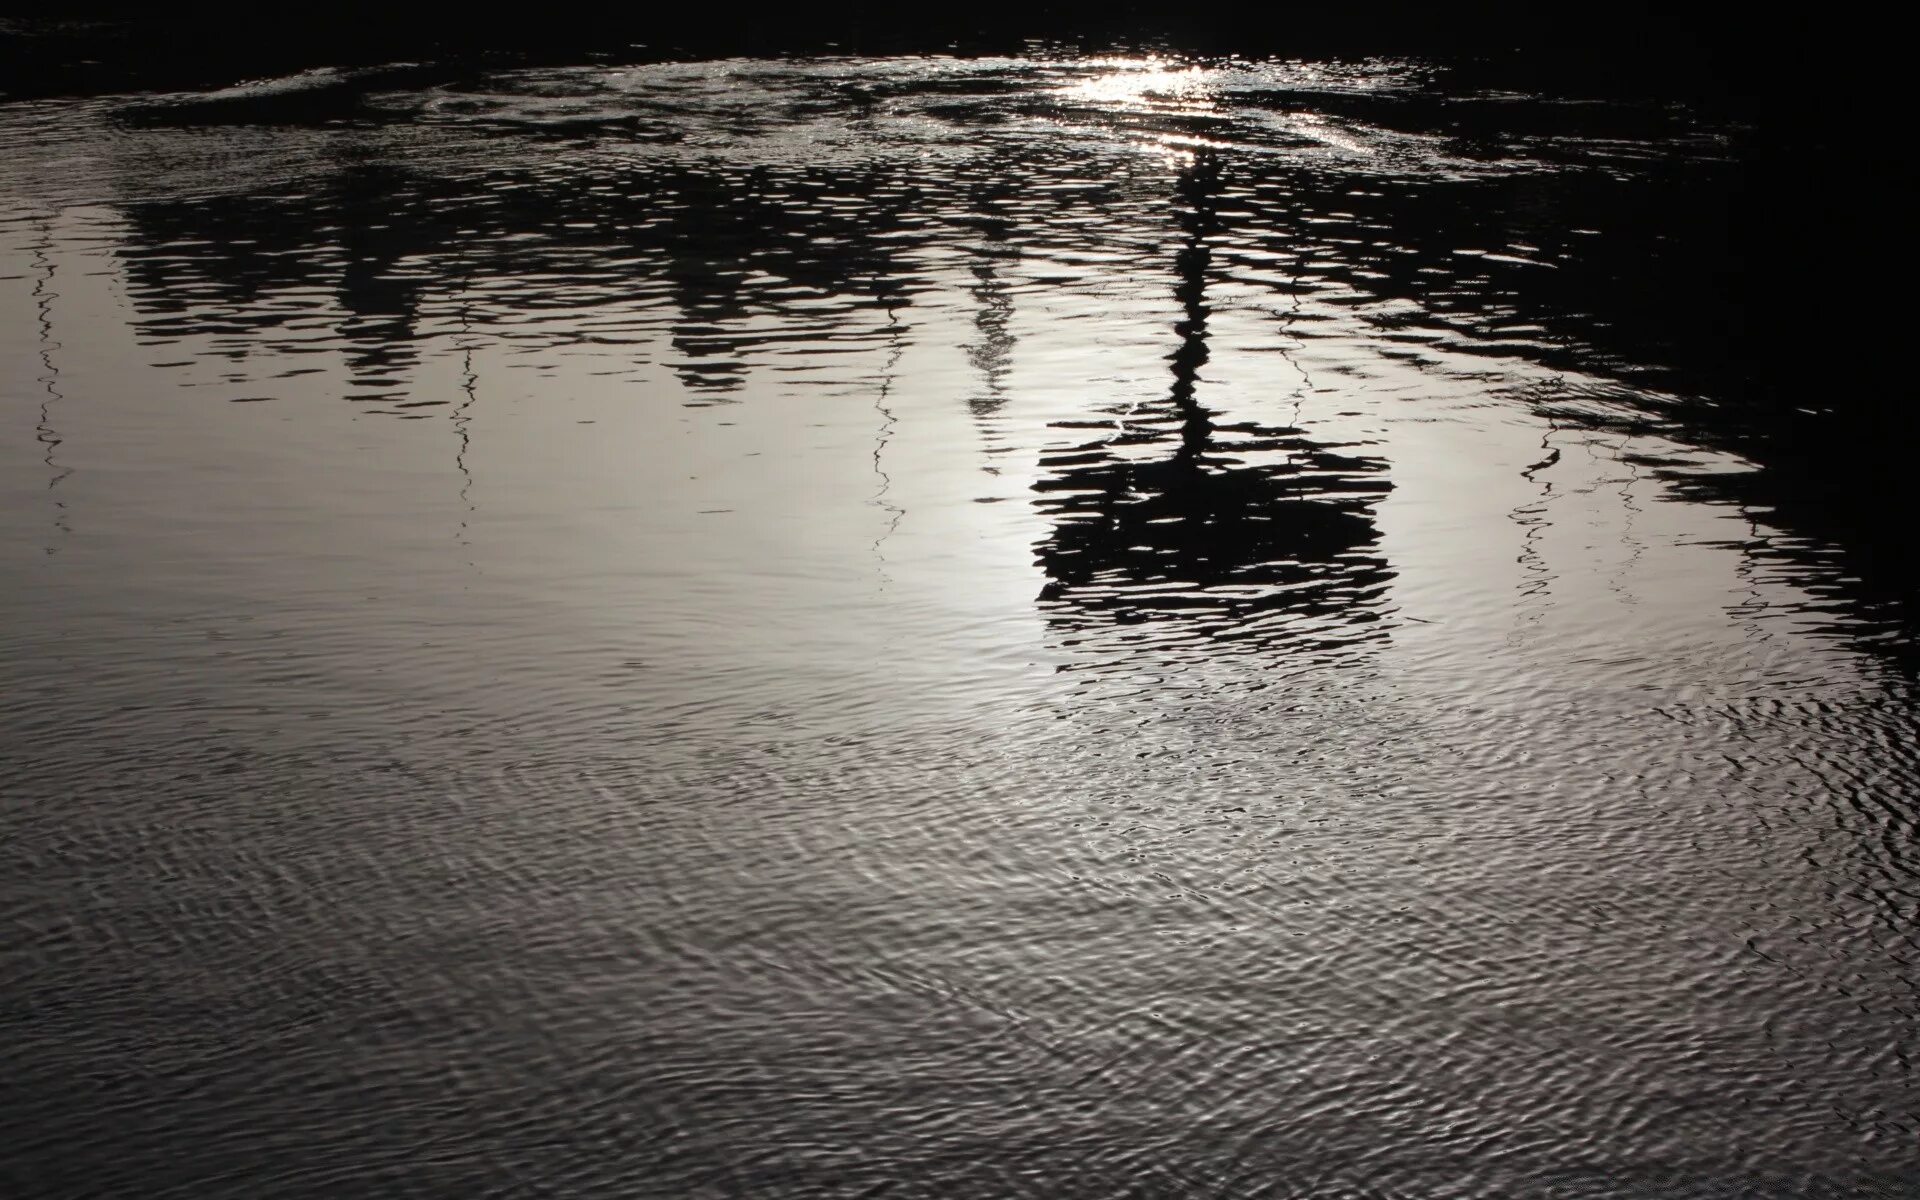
1316	128
1148	85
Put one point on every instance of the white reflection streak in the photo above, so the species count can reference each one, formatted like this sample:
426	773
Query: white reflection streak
1147	86
1315	127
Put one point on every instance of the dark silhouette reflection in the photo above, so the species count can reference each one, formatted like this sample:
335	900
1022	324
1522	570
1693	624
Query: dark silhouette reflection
727	267
710	239
366	239
1843	542
1588	238
1182	518
380	298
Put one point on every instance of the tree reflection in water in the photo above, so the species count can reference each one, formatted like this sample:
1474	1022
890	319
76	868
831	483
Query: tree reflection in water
1232	529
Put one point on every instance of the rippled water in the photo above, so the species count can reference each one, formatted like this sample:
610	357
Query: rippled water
1059	627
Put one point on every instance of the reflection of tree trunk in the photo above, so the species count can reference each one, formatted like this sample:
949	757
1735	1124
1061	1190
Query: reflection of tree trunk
1198	185
1209	535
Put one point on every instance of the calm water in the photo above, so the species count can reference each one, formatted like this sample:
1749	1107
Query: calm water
1056	628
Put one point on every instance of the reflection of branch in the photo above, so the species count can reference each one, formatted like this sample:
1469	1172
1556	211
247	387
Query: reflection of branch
1746	571
885	435
1630	511
462	418
1287	321
1532	518
44	431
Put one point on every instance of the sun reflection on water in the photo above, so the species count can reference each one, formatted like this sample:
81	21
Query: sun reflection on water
1149	85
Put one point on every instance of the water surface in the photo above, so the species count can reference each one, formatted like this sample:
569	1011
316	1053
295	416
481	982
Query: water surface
926	627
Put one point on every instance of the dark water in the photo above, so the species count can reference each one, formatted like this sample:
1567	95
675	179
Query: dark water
1055	627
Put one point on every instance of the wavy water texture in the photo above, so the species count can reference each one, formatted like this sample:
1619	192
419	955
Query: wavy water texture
1047	627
